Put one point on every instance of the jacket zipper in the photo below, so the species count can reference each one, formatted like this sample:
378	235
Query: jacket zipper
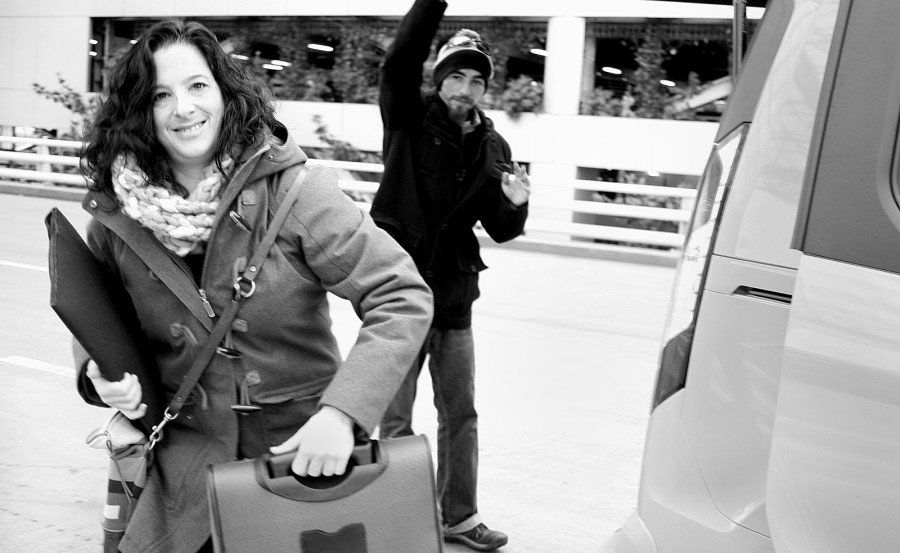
206	304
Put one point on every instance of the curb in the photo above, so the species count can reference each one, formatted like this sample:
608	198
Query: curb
589	250
55	192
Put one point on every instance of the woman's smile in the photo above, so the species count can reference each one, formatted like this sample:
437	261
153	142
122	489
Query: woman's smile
192	128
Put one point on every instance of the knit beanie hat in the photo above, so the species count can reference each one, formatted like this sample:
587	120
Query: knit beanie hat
464	50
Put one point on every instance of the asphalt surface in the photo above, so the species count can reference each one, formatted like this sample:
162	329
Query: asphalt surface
566	350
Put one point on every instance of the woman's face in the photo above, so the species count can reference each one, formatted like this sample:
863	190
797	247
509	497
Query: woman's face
187	108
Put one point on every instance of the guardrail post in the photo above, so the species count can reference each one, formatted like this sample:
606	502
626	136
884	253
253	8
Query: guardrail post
6	130
566	37
43	149
688	205
546	182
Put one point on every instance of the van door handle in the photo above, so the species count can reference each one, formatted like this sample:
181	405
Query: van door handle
763	294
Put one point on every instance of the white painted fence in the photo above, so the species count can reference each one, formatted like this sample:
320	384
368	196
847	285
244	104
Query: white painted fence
560	232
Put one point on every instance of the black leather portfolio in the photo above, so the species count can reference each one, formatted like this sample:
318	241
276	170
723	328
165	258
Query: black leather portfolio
96	310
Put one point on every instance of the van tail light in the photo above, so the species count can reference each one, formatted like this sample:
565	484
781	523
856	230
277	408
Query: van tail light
678	332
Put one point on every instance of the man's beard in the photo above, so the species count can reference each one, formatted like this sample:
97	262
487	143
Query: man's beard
460	108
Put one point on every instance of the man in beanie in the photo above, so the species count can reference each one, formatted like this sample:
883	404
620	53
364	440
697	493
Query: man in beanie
445	169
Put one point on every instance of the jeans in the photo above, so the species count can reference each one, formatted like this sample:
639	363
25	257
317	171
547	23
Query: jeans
452	365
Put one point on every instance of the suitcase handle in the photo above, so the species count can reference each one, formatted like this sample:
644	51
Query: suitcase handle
273	472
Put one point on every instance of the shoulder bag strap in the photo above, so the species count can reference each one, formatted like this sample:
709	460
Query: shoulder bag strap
244	287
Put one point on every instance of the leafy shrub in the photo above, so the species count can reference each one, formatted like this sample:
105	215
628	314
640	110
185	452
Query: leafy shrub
602	102
523	95
341	150
82	106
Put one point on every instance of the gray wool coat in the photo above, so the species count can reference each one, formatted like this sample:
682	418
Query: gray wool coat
283	331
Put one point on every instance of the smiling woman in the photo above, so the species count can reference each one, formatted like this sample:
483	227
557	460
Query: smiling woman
187	164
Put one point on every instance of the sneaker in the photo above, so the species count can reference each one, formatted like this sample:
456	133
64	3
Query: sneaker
480	538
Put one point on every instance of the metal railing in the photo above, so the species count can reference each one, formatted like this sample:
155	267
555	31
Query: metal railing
585	227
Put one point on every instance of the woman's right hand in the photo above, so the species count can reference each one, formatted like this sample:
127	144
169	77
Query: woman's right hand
324	444
124	395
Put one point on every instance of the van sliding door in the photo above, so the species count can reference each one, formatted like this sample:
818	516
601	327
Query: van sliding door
834	473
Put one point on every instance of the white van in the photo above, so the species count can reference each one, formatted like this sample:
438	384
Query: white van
775	424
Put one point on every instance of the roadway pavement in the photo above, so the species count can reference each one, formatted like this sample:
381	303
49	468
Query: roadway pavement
566	350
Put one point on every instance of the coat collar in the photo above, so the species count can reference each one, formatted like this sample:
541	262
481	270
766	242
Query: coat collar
172	271
269	155
437	113
274	152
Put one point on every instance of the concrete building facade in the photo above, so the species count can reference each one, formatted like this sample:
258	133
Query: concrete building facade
49	38
46	40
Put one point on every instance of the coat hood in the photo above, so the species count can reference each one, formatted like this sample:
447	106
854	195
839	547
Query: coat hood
272	153
280	152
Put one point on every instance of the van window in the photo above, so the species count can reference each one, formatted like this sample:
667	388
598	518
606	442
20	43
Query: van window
849	210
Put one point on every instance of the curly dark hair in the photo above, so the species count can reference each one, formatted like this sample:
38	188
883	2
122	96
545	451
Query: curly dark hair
124	121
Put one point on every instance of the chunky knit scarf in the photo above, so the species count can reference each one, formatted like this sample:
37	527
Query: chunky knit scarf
183	225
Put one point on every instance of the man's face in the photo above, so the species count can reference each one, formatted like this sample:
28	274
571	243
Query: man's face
461	90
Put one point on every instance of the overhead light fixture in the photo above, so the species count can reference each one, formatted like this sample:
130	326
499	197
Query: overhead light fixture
272	67
320	47
539	52
133	41
612	70
92	53
240	57
666	82
93	41
282	63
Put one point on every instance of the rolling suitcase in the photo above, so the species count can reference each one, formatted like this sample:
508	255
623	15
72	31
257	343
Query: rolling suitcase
384	503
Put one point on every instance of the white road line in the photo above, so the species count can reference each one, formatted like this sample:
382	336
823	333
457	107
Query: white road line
23	266
29	363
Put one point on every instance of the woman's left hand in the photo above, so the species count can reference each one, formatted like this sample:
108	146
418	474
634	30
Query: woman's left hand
516	185
324	444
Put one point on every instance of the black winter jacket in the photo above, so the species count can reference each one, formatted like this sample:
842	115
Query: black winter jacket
423	157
